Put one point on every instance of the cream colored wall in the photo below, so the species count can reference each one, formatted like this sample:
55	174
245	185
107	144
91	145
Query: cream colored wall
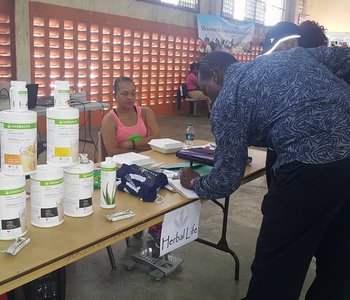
333	15
129	8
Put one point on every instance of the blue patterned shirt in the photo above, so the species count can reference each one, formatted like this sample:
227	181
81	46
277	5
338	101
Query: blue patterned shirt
292	101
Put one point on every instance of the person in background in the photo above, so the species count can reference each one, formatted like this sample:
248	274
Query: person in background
297	102
285	36
192	86
128	127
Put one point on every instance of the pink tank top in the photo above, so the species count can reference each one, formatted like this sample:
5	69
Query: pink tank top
135	132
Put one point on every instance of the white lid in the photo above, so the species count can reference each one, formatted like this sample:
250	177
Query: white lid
132	158
80	168
18	117
11	182
62	112
166	143
61	83
108	163
18	83
44	172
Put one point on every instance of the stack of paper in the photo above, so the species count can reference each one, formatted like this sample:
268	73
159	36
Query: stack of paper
189	194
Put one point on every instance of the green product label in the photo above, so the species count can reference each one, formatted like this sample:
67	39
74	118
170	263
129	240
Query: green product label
22	92
66	121
64	91
19	126
108	169
86	175
51	182
12	191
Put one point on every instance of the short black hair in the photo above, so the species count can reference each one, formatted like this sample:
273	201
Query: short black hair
119	80
218	61
312	35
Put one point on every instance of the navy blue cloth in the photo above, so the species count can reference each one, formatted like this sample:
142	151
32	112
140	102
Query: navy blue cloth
140	182
295	102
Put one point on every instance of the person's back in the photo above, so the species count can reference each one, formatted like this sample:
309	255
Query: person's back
304	92
297	102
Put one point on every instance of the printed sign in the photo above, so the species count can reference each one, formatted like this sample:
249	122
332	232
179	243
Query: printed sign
218	34
180	227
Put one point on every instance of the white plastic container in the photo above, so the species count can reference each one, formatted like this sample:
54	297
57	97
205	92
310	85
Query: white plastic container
108	183
46	196
130	158
62	94
18	96
62	126
166	145
78	189
18	142
12	207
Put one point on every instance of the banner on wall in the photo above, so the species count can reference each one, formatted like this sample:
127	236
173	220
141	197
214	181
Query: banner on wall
338	39
218	34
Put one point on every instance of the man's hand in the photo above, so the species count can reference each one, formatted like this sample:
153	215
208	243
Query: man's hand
186	176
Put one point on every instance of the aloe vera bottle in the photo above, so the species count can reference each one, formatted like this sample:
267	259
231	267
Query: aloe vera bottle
108	183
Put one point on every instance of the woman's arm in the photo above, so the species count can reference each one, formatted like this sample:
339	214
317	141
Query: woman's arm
153	131
108	132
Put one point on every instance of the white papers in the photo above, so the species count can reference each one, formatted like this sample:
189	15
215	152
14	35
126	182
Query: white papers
189	194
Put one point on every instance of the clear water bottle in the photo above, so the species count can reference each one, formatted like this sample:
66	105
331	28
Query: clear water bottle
189	140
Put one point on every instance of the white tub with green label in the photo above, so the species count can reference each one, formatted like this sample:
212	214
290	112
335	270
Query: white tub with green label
18	142
78	189
46	191
62	125
13	221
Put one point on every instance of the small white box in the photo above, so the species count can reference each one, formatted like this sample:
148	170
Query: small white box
132	158
166	145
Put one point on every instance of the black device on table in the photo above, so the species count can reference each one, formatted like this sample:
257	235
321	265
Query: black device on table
201	155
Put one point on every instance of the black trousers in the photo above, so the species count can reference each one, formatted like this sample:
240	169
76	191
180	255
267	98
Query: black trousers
271	157
306	213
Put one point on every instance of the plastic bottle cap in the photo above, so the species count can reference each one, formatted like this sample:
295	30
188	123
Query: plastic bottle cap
61	83
18	83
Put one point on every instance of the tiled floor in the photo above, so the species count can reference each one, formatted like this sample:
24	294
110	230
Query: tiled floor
206	273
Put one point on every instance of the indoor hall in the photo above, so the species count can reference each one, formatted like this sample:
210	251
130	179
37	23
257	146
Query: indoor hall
71	52
206	273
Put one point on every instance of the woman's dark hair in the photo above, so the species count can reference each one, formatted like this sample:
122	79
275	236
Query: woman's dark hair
119	80
312	35
194	66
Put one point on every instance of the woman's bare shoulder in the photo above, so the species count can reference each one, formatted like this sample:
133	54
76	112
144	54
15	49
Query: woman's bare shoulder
108	119
146	110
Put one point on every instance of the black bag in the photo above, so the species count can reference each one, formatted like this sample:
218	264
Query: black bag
140	182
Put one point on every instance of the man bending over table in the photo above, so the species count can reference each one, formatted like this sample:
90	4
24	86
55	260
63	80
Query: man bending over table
298	103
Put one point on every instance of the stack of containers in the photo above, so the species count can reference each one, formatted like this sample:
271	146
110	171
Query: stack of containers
62	126
47	183
18	130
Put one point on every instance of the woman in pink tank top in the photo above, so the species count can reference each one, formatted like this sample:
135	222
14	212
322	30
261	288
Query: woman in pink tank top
128	127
